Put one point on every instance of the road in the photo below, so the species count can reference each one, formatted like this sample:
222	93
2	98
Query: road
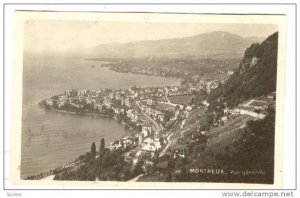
48	178
156	125
167	146
170	103
136	178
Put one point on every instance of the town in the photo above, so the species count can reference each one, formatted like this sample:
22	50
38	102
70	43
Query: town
147	112
178	68
161	120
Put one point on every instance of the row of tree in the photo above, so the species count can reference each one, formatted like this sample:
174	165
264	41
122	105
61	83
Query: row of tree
101	148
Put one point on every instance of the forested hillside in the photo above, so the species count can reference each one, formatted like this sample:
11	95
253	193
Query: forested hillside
256	75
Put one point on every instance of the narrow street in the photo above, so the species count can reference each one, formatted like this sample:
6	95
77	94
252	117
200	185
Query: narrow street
156	125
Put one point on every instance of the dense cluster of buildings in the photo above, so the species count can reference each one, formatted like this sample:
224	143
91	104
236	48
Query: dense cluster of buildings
172	67
144	108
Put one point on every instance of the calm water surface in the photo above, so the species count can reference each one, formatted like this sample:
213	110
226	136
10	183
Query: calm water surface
58	138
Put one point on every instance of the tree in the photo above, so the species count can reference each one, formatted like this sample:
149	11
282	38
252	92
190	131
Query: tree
168	116
93	150
105	160
156	154
138	168
139	128
169	177
55	104
120	161
122	143
197	149
102	146
104	108
162	141
256	149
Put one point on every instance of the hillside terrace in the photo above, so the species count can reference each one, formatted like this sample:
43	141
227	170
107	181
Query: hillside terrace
255	107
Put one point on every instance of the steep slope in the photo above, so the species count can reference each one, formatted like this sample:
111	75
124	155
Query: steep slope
256	74
207	45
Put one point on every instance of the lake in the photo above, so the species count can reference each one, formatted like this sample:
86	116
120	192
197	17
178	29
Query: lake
58	138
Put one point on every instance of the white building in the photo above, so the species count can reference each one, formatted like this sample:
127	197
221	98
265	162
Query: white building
150	145
146	130
156	136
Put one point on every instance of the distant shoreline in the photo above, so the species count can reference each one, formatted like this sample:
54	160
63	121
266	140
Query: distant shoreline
107	65
74	113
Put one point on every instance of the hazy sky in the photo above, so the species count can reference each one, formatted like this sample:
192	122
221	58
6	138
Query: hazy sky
64	36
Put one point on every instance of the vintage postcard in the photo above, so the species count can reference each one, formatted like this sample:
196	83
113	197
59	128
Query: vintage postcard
148	100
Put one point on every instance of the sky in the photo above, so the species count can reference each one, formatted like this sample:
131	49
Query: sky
72	35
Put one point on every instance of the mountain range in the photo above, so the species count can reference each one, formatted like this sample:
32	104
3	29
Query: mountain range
214	45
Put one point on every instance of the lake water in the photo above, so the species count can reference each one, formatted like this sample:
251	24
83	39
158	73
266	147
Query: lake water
58	138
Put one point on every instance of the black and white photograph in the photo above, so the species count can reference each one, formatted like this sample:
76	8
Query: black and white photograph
148	98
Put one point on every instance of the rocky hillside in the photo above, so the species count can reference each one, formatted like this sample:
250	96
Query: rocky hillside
255	76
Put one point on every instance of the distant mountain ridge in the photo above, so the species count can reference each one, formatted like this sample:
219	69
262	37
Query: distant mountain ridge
255	76
208	45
